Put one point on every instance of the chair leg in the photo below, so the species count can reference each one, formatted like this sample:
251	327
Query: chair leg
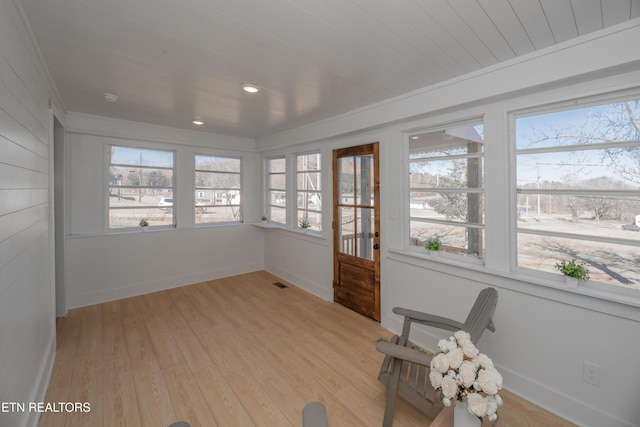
392	393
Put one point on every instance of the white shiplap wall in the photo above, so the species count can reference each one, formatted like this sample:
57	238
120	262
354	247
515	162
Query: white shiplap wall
27	320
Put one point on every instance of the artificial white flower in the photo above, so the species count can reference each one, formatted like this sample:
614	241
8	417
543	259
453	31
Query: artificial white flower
455	356
468	373
485	361
487	381
469	349
446	401
498	399
492	405
436	378
443	345
440	363
449	387
452	344
462	336
477	404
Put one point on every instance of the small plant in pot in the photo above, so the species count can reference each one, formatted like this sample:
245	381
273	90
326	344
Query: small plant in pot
144	223
304	223
433	245
573	271
264	218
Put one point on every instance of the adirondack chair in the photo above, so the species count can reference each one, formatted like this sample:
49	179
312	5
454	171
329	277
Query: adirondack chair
405	369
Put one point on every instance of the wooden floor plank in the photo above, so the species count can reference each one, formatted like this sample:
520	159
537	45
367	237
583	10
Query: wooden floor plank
236	351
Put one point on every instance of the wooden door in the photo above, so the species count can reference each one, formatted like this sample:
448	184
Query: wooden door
356	229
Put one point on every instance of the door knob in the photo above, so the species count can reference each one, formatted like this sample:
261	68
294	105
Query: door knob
376	246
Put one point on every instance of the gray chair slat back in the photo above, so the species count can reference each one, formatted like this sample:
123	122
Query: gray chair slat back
481	313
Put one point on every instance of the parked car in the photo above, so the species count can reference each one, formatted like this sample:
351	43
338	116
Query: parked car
631	227
166	203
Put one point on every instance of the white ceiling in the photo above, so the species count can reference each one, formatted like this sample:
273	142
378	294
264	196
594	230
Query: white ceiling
172	61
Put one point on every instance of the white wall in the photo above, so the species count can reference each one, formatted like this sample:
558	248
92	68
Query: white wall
103	265
27	320
544	332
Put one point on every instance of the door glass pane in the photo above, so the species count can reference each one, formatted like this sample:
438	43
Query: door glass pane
364	180
347	238
365	224
346	180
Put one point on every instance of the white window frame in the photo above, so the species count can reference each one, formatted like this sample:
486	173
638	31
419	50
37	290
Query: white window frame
609	289
410	245
109	186
297	209
197	206
268	189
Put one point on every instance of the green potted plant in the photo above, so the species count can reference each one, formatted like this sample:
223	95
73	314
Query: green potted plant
144	223
304	223
433	245
264	218
573	272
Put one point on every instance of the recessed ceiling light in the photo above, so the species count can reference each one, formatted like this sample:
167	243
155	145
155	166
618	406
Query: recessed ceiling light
251	88
198	122
109	97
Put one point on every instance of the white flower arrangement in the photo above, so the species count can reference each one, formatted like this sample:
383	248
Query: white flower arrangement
461	372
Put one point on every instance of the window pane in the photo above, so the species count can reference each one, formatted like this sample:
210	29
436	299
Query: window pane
588	170
277	165
141	157
277	214
613	264
145	177
277	182
309	162
454	173
585	215
211	214
450	206
218	164
309	181
456	239
589	125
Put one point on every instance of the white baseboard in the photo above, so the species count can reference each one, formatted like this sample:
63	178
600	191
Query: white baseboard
42	384
315	289
142	288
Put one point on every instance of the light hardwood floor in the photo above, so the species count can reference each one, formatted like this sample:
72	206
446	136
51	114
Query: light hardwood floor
237	351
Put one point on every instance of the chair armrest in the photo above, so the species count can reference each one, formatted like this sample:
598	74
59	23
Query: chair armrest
429	319
403	353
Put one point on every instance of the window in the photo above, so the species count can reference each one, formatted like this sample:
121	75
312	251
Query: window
276	195
446	188
578	190
141	185
309	196
218	189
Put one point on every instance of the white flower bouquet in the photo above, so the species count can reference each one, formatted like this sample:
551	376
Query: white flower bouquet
461	372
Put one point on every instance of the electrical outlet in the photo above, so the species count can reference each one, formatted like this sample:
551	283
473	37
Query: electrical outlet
591	373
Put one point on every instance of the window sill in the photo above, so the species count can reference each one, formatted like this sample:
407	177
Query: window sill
296	231
546	285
